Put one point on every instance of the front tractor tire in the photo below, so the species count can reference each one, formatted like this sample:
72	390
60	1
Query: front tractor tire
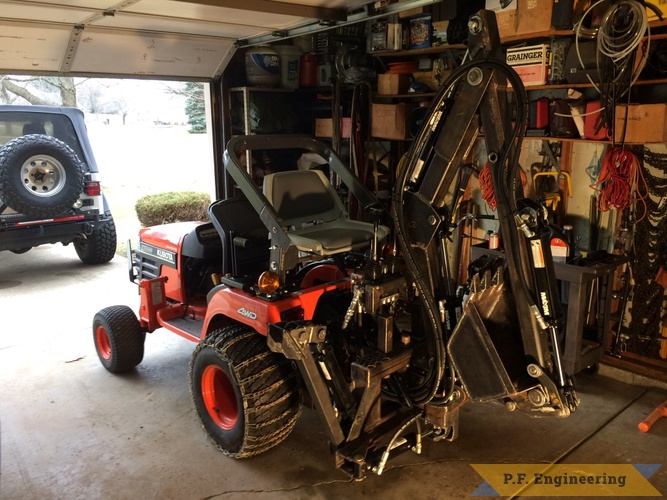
247	397
119	339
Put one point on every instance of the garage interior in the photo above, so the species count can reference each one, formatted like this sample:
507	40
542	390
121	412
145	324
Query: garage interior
71	429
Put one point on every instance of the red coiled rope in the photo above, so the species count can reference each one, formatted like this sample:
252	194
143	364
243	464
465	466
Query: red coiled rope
486	185
618	184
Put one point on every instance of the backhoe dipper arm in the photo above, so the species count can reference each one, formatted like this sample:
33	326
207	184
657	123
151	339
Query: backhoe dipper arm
475	97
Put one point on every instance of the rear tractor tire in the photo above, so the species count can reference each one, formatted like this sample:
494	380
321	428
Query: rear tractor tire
247	397
119	339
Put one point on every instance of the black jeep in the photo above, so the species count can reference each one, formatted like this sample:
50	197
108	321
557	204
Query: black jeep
49	186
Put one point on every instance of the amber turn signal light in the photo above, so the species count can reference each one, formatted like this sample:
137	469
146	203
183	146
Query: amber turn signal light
268	282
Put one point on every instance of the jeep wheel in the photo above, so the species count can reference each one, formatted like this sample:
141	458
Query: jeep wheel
118	337
99	247
247	397
39	175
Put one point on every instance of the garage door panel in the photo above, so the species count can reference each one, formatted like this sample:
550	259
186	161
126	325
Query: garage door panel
87	4
32	48
164	25
107	52
44	13
216	14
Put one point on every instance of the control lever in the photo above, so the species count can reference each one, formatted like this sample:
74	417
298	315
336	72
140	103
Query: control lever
375	216
373	267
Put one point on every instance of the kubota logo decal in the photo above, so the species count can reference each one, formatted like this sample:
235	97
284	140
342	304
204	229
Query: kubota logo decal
248	314
163	254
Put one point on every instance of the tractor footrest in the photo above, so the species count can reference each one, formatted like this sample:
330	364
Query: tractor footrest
187	325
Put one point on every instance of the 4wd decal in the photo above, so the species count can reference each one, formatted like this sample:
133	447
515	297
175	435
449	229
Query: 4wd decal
248	314
160	254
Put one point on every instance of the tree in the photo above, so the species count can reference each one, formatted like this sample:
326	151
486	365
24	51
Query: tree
195	107
49	90
92	99
122	108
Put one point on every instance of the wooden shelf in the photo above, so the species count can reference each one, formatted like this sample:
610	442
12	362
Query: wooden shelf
562	86
538	34
506	40
419	52
563	139
553	32
405	96
260	89
579	139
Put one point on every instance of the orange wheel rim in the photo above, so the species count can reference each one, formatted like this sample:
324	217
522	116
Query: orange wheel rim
103	343
219	397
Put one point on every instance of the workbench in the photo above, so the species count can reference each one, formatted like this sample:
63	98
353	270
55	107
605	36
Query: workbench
578	351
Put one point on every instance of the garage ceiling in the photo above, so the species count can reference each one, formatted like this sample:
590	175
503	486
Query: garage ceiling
188	39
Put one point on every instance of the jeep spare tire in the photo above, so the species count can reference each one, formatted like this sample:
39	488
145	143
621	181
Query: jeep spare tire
40	175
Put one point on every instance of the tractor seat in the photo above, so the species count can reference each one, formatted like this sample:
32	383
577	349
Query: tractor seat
245	244
309	206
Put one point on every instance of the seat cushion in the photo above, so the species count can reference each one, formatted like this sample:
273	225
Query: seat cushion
302	196
336	236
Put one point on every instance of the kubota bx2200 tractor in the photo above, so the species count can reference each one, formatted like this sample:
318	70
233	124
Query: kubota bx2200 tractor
294	304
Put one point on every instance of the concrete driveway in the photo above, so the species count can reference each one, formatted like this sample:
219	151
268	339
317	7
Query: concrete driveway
70	429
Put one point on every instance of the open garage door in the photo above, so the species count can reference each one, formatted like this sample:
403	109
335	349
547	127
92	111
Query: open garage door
181	39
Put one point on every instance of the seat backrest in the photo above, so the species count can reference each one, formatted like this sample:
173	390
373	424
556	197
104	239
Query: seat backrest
302	196
236	218
33	128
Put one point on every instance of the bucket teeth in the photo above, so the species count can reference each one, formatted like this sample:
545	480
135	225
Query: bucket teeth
475	285
487	273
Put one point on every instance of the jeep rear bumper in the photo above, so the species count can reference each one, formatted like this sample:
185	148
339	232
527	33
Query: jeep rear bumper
17	235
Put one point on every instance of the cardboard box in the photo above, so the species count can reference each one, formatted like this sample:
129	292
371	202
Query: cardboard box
661	4
646	123
392	83
530	16
497	6
324	127
592	119
390	121
531	63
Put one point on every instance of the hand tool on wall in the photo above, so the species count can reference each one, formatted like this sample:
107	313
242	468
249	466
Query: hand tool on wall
550	182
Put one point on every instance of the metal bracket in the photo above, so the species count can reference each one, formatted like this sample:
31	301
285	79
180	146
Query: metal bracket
70	51
294	342
368	374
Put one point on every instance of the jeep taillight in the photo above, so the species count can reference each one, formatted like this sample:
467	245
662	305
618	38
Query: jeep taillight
93	188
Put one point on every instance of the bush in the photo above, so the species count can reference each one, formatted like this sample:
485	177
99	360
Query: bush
163	208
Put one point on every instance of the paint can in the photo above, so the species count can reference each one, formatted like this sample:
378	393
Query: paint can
494	240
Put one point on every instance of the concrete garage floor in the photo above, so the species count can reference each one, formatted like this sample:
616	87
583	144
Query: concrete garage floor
70	429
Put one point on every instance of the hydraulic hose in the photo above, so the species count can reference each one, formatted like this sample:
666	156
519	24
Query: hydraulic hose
508	161
421	394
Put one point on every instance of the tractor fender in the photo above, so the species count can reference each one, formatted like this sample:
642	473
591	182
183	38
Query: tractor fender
258	313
